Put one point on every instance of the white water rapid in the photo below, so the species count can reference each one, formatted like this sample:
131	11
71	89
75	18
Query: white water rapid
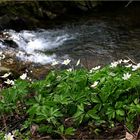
33	45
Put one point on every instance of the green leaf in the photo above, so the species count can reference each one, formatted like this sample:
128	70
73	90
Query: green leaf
81	107
61	129
120	112
92	113
69	131
111	113
45	128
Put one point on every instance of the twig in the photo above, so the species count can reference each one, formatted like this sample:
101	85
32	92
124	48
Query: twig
4	121
63	137
128	3
137	134
134	136
45	137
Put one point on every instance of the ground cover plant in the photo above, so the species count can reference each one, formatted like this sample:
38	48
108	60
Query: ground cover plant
67	100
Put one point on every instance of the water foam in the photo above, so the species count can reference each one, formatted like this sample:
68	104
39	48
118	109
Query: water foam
34	44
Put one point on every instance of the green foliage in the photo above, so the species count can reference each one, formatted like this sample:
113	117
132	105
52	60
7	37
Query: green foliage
72	95
64	132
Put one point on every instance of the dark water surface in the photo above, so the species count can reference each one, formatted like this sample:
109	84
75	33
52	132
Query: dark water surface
96	40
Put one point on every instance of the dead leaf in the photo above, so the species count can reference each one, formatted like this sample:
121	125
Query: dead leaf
34	129
129	136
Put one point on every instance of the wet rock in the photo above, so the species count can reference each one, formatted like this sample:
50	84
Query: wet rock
10	43
12	22
4	35
20	15
50	15
39	72
17	68
4	20
4	69
5	38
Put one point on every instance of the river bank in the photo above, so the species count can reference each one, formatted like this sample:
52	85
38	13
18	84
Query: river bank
95	36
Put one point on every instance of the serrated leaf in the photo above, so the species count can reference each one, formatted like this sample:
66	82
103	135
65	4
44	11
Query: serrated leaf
120	112
69	131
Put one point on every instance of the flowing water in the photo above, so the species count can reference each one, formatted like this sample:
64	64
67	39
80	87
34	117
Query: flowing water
95	42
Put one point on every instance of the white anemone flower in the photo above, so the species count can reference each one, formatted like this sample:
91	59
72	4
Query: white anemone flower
54	63
12	82
125	61
23	76
9	136
94	69
94	84
114	64
120	61
66	62
78	62
6	75
128	66
126	76
9	82
135	67
69	70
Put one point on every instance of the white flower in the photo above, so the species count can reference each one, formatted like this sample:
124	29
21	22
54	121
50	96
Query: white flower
66	62
126	76
114	64
23	76
125	61
120	61
54	63
138	65
94	84
135	67
9	82
12	82
69	70
78	62
95	68
128	66
6	75
9	136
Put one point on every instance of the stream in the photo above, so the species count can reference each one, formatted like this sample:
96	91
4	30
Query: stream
93	41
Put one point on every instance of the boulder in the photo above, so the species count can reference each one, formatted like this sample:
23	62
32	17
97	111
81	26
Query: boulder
6	40
20	15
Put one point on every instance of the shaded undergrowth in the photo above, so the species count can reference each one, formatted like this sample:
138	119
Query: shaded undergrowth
69	100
